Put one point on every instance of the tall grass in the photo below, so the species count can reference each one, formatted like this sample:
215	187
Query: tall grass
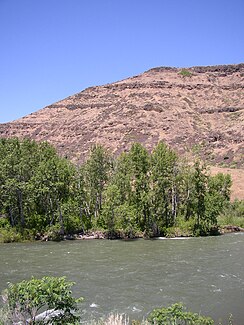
233	214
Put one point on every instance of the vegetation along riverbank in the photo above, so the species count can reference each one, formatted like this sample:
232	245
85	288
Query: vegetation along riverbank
49	300
137	194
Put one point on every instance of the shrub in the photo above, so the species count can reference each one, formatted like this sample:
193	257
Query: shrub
185	73
24	302
54	233
176	314
9	235
233	214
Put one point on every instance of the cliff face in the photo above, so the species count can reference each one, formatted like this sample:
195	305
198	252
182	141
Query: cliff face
200	108
194	110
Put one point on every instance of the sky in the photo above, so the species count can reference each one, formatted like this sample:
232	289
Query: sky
51	49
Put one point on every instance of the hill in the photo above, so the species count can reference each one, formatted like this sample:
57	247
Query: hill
196	111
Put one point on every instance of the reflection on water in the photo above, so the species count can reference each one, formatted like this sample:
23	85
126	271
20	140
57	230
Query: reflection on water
133	277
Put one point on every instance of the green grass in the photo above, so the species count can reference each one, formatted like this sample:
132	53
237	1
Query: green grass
233	214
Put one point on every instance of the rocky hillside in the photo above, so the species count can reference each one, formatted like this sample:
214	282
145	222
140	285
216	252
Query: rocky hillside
198	110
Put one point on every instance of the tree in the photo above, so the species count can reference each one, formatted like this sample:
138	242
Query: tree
163	194
138	169
17	167
111	202
27	299
217	197
34	182
208	197
118	217
52	185
41	192
199	181
96	173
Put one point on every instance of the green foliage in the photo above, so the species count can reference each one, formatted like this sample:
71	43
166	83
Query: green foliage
217	196
54	232
10	235
126	221
176	314
34	184
4	223
232	214
163	195
49	300
185	73
138	168
7	233
112	201
96	174
150	193
26	299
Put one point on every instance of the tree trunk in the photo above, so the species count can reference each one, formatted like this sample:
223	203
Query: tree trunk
61	221
20	203
11	217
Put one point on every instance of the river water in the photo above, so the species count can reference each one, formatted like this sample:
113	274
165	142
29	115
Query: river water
133	277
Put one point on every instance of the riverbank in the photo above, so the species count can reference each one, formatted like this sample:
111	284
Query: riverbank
230	228
89	235
10	236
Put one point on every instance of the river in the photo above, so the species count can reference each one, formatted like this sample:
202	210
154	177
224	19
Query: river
133	277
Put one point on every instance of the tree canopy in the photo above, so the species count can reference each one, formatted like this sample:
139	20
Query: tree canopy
136	192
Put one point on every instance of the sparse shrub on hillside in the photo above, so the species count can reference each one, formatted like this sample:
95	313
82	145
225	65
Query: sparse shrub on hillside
185	73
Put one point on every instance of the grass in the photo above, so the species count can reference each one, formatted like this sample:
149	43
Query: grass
111	319
9	236
233	214
224	220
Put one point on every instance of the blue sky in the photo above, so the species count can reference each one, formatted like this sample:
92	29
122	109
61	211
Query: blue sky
50	49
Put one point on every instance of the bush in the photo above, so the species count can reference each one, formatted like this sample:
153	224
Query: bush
185	73
9	235
233	214
25	301
176	314
4	223
54	233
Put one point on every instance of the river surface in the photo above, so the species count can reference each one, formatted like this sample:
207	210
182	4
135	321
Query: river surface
133	277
